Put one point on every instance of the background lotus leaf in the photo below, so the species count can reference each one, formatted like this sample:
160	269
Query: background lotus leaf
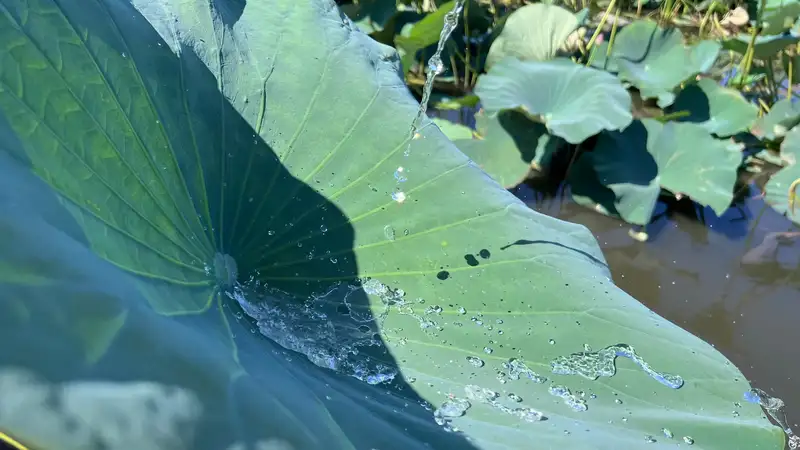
721	111
509	144
223	173
534	32
776	16
683	157
656	61
573	101
782	117
764	47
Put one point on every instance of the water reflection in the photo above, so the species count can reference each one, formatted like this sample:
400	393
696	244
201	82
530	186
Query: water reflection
731	280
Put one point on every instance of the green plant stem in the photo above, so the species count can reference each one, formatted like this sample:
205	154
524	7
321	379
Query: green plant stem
600	26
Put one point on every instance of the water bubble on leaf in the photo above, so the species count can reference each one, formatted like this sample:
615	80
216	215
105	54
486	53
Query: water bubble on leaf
514	397
475	361
271	232
528	414
477	393
592	365
688	440
650	439
399	196
618	401
487	350
433	309
323	228
516	369
574	402
452	408
388	232
462	310
667	432
551	342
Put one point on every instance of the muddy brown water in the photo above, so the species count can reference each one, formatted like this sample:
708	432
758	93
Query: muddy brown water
723	279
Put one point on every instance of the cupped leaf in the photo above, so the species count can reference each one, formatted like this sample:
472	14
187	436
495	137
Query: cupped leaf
719	110
573	101
782	117
764	46
534	32
190	161
509	145
656	61
683	157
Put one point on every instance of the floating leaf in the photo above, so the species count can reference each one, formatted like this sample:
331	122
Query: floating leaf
510	144
573	101
634	164
534	32
720	110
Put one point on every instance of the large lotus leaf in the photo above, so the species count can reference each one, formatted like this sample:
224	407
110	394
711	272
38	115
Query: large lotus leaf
171	163
720	110
782	117
682	157
764	46
573	101
534	32
509	144
656	61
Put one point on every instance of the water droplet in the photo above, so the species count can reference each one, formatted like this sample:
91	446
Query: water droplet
551	342
487	350
399	196
271	233
399	175
124	55
433	309
462	310
618	401
443	275
667	432
688	440
475	361
323	228
514	397
650	439
334	260
388	232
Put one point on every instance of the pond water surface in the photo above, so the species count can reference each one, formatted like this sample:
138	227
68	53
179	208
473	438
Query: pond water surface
733	281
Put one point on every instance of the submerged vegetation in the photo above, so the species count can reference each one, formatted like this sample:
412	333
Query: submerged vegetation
204	245
626	101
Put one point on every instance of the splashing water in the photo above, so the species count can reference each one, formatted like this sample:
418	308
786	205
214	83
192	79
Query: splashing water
775	408
592	365
330	329
435	67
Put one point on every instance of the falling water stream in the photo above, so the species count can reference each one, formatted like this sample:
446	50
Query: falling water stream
435	67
